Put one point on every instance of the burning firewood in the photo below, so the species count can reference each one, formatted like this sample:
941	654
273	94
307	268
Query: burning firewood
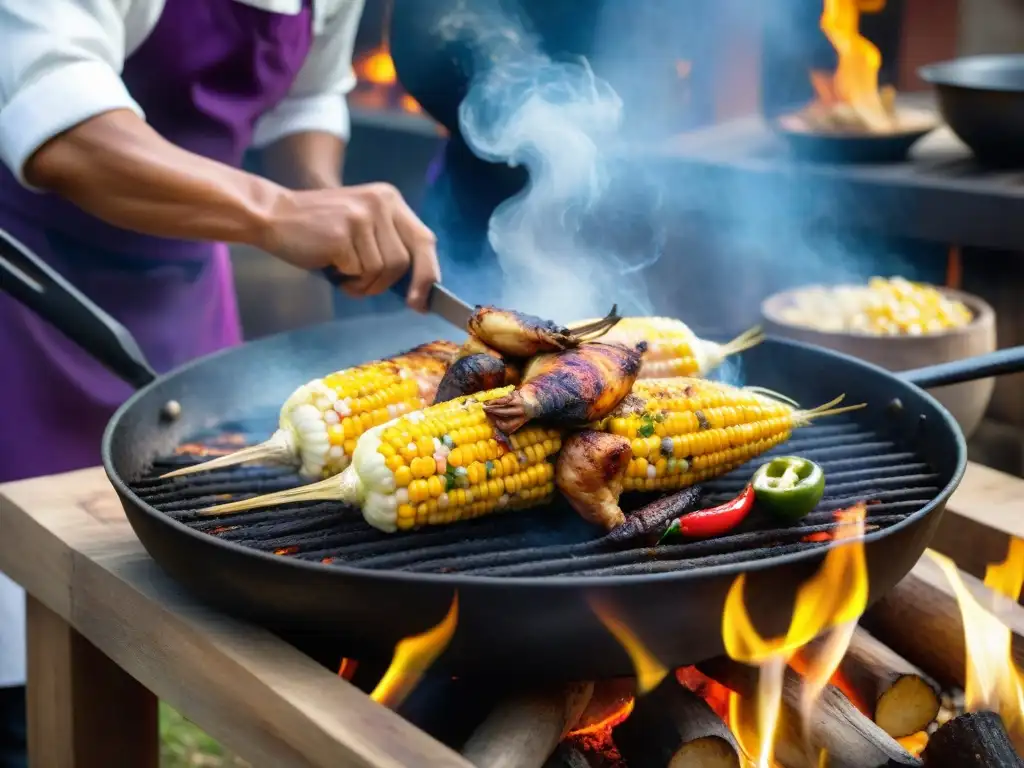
920	619
672	726
849	737
899	697
523	731
567	756
975	739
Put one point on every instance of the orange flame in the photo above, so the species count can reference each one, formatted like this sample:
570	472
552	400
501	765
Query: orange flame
915	743
376	71
835	597
377	67
649	671
855	81
993	681
413	656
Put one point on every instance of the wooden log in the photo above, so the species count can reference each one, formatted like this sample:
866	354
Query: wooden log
920	620
851	739
900	698
672	726
568	755
975	739
523	731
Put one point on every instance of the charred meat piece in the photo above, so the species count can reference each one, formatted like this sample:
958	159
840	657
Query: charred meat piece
590	471
473	346
518	335
475	373
573	388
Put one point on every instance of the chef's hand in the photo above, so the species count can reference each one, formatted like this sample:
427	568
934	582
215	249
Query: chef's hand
366	231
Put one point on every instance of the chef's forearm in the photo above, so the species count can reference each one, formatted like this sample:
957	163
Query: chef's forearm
308	160
120	170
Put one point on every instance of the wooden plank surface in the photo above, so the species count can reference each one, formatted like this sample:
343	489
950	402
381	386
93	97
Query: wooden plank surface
84	711
986	510
66	540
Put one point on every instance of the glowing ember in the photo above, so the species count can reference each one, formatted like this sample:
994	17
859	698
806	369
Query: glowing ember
286	551
413	656
994	682
221	445
834	598
597	736
649	671
347	668
713	692
914	744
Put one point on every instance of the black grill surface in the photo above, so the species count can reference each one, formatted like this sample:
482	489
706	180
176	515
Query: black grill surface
860	465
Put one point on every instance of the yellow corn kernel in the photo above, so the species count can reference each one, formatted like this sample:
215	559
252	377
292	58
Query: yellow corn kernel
469	471
673	349
707	429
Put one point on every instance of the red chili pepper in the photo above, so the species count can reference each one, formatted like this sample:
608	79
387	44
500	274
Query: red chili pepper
714	521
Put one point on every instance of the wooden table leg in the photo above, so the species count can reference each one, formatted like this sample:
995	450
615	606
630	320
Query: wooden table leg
83	710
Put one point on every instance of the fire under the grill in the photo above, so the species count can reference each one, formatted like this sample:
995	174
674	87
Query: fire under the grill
861	466
894	697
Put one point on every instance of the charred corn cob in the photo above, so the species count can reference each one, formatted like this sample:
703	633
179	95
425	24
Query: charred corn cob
673	349
439	465
447	462
684	431
321	421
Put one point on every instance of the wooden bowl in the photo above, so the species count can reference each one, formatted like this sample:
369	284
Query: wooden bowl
967	402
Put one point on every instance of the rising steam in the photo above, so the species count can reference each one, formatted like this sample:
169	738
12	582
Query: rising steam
559	120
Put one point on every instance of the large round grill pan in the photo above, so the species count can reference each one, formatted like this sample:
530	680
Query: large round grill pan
527	582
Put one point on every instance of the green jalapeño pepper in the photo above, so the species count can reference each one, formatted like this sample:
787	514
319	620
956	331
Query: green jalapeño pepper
789	487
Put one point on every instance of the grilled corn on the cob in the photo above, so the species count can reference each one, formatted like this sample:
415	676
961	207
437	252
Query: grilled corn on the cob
321	421
673	349
447	462
439	465
684	431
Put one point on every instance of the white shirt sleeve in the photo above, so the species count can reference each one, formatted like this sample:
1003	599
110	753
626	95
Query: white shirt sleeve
60	65
316	101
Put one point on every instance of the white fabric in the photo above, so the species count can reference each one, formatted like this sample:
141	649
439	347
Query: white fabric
12	633
60	64
62	59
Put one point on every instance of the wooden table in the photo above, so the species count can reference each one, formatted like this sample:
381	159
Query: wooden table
109	633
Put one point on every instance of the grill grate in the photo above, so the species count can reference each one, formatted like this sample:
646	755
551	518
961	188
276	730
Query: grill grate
859	464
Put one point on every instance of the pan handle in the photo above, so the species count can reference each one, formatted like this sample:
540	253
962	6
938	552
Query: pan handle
34	283
970	369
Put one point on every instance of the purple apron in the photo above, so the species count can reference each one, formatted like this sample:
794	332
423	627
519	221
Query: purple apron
204	75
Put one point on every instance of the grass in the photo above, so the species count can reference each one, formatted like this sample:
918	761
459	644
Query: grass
184	745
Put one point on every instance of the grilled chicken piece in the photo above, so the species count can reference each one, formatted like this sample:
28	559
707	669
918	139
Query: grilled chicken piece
573	388
475	373
518	335
473	346
590	472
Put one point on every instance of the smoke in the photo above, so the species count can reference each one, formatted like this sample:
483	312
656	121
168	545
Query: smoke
600	207
558	120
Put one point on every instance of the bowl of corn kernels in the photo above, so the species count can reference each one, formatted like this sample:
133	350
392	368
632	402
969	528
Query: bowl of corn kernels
896	324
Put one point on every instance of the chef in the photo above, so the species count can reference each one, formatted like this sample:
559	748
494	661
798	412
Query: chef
122	127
